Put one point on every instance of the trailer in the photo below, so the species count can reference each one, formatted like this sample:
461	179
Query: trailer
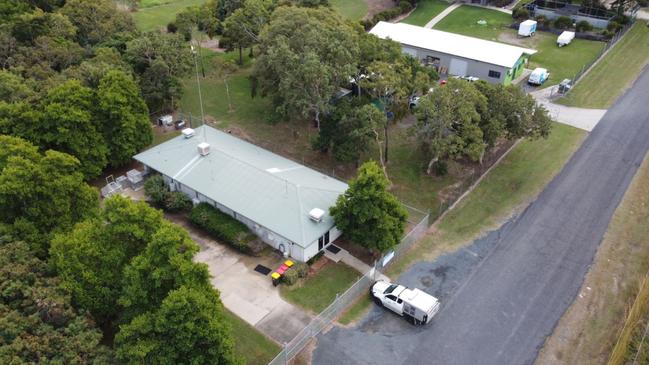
417	306
565	38
527	28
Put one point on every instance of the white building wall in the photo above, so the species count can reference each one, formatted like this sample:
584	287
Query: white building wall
269	237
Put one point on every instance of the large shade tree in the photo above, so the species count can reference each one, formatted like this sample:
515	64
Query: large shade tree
91	258
38	321
448	122
367	213
306	54
187	328
124	115
41	194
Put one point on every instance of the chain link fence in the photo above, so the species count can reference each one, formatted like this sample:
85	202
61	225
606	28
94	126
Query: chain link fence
585	68
360	287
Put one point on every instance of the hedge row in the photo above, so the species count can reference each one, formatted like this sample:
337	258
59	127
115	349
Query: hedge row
223	227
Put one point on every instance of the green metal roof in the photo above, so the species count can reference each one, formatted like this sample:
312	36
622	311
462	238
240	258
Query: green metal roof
271	190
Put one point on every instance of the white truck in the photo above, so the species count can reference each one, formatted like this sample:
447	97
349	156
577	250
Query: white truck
413	304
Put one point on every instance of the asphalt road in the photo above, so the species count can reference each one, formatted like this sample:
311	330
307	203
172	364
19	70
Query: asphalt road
503	295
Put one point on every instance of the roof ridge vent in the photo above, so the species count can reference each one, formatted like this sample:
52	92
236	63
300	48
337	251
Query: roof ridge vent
316	214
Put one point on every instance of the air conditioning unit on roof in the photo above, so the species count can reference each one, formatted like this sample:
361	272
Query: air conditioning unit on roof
188	132
204	149
316	214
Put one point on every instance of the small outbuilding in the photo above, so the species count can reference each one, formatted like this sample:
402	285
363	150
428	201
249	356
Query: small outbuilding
458	55
285	203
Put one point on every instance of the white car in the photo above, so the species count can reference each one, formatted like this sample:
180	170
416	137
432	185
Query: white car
415	305
538	76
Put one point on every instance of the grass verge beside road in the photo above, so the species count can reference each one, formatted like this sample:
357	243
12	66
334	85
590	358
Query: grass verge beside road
614	73
319	290
426	10
591	326
249	343
519	178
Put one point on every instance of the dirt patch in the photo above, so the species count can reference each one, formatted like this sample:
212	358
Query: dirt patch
588	330
376	6
513	38
213	45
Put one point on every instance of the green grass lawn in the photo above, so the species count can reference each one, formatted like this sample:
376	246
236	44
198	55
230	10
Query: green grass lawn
464	20
249	343
425	11
562	62
614	73
159	137
519	178
292	139
319	290
350	9
158	16
357	310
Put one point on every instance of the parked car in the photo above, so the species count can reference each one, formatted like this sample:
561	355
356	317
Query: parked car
417	306
565	85
538	76
180	124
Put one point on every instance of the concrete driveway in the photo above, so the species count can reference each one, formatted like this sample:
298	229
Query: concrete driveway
247	293
581	118
503	295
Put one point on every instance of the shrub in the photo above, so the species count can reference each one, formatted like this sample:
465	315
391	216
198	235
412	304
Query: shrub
563	22
405	7
301	269
223	227
520	13
290	277
583	26
172	27
613	27
500	3
175	201
156	189
315	258
440	168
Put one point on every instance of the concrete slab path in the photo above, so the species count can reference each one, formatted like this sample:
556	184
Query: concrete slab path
442	15
581	118
245	292
351	261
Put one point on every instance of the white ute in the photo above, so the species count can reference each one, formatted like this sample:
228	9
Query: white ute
413	304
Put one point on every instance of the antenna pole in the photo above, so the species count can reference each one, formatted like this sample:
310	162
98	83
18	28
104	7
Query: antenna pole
198	82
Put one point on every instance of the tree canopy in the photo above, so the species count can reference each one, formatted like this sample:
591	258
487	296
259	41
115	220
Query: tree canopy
187	328
41	194
37	319
367	213
91	258
305	55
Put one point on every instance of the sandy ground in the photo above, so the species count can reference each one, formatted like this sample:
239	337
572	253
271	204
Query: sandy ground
588	329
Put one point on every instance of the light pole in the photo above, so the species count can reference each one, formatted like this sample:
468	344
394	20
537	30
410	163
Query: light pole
198	82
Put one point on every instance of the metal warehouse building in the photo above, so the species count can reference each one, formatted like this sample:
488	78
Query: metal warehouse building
286	204
454	54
